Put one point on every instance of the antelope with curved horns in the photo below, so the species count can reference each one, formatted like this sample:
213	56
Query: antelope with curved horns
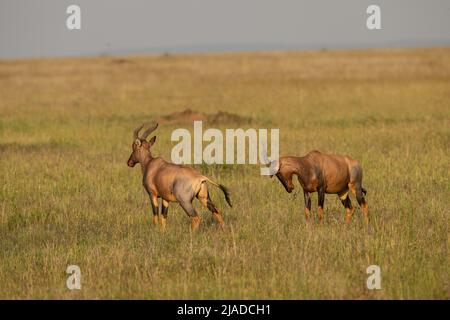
172	182
323	173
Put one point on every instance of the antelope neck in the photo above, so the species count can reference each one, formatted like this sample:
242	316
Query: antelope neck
145	162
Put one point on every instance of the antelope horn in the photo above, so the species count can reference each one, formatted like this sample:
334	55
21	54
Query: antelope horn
274	166
263	152
149	130
136	132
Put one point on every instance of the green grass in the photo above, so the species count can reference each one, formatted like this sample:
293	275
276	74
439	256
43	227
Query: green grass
67	196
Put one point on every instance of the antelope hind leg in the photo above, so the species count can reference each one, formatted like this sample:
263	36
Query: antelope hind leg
346	202
192	213
205	199
358	191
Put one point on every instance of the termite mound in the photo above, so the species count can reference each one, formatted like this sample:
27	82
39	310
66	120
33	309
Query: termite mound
188	115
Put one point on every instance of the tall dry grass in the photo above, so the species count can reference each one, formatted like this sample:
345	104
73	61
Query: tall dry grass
67	196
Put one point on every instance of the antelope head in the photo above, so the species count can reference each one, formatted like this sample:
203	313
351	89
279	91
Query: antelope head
141	147
284	174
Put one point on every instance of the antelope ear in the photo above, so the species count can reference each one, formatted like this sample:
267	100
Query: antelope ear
152	140
137	142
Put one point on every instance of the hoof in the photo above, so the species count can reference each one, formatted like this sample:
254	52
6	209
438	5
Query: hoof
195	222
162	221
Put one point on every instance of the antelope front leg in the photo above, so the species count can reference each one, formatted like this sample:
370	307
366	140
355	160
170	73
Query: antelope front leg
164	210
321	200
307	197
155	209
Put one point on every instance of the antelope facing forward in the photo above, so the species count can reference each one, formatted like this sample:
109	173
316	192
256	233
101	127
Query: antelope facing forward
324	173
172	182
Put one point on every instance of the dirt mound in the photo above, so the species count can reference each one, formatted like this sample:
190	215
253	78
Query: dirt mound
226	117
188	116
121	61
184	116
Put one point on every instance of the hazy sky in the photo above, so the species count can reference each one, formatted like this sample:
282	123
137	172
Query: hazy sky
31	28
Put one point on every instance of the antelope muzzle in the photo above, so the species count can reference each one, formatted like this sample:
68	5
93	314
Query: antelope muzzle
131	162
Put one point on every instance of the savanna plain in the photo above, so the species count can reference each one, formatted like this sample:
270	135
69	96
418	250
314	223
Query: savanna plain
67	196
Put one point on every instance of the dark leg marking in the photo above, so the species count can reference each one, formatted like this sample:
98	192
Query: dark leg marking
321	200
346	202
363	203
307	198
164	211
155	209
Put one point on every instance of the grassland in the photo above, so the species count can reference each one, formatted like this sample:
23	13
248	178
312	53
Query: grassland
67	196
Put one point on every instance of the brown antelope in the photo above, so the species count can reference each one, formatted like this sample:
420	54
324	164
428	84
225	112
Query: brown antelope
172	182
324	173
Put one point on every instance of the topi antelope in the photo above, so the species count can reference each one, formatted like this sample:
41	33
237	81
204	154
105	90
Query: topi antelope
172	182
324	173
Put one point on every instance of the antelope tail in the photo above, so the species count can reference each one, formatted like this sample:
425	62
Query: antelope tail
224	190
363	190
